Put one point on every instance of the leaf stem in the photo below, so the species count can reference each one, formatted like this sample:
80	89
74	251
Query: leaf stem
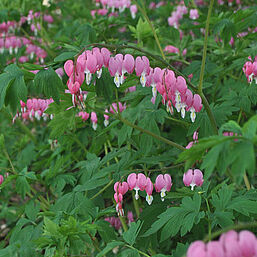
209	222
123	223
160	138
143	11
102	190
209	113
200	87
131	247
236	227
135	203
247	183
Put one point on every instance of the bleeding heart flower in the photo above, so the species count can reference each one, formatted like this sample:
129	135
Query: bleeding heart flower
137	182
162	184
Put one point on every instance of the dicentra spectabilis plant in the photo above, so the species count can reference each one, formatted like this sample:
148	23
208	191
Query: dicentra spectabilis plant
128	128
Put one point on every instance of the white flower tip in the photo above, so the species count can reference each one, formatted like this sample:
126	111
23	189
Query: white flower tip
94	125
149	199
106	123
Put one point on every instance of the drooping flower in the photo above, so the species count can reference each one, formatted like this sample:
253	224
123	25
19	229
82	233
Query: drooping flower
197	249
149	191
137	182
230	244
120	189
1	179
133	11
247	243
94	120
106	118
142	68
115	68
193	14
193	178
162	184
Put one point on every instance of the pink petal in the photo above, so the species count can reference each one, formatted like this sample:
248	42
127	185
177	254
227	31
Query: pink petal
141	181
132	180
188	177
129	63
68	67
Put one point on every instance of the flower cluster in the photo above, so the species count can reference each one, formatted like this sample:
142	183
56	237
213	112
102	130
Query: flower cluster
230	244
229	2
139	182
250	70
34	109
113	6
173	89
113	109
174	92
177	15
12	43
163	183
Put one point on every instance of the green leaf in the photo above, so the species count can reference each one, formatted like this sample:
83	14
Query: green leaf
109	247
230	126
243	205
91	184
48	83
32	210
177	219
186	2
65	56
105	86
12	87
86	34
22	186
250	128
50	228
31	66
130	236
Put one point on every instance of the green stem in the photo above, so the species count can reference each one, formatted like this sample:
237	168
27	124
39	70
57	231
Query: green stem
160	138
131	247
184	123
209	222
44	204
247	183
110	146
135	203
106	152
235	227
26	130
123	223
142	10
239	116
205	46
102	190
209	113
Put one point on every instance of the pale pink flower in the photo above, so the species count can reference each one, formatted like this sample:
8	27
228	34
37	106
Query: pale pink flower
162	184
193	178
194	14
137	182
94	120
149	191
142	68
